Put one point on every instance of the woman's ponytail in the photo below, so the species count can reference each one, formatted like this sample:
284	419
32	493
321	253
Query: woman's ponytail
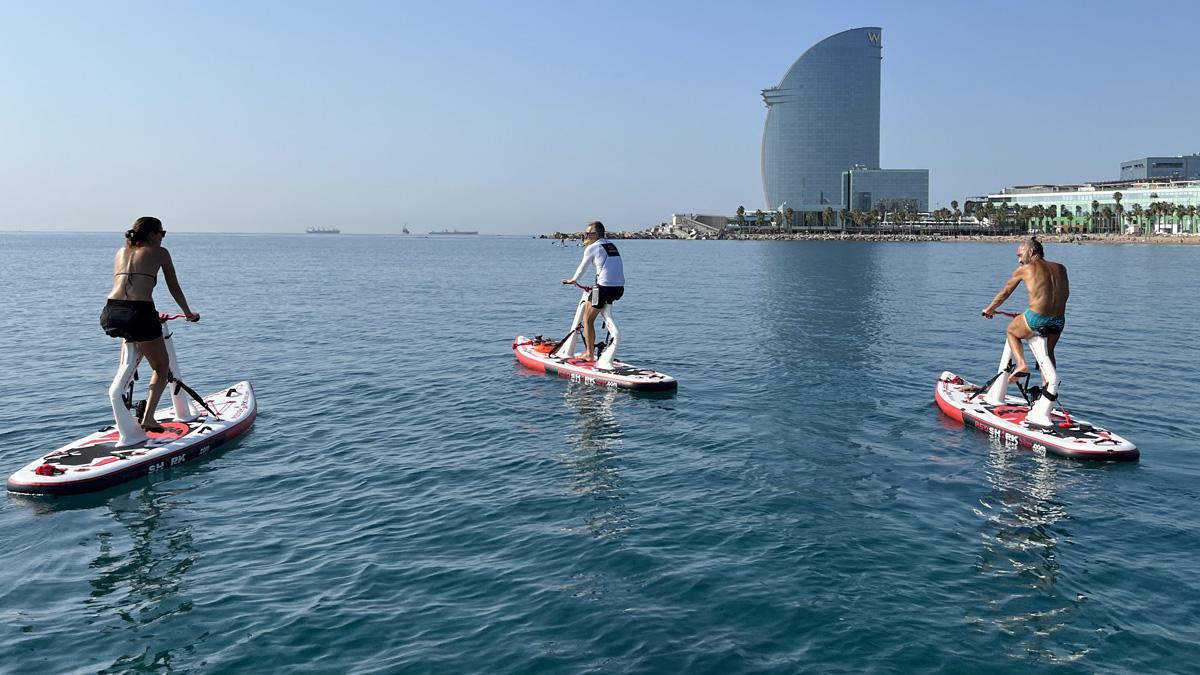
142	229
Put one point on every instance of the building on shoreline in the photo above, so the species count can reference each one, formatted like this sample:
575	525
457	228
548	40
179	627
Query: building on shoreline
822	119
1183	167
820	151
887	189
1165	206
822	124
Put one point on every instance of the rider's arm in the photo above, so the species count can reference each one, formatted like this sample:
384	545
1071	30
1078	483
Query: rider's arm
587	257
168	268
1009	286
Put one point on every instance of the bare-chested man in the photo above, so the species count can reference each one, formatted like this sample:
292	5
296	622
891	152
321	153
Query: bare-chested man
1048	290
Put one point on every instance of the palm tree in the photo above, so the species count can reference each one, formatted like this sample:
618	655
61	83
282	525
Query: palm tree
1137	211
1120	209
741	215
789	216
981	212
827	214
1191	210
758	219
1095	210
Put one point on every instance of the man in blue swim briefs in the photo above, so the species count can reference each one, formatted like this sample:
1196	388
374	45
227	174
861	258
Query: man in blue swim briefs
1048	288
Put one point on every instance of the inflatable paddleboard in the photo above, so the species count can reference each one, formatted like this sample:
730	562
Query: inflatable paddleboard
1065	437
95	462
536	353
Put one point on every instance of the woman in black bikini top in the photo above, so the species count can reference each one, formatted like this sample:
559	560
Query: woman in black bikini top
130	313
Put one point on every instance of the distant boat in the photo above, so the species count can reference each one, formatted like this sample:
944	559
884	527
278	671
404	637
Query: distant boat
453	232
322	230
404	229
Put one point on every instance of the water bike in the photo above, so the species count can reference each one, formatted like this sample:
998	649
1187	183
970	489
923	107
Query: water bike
557	356
124	451
1029	420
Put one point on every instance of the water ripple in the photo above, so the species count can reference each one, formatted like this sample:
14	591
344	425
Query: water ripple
410	499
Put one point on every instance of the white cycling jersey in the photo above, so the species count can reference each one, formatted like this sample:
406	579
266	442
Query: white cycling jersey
604	257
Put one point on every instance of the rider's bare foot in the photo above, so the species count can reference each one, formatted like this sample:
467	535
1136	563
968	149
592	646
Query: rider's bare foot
1021	371
152	427
584	356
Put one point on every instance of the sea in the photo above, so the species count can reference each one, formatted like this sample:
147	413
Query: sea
412	500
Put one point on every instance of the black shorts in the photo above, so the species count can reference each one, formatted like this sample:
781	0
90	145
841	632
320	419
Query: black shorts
608	294
133	320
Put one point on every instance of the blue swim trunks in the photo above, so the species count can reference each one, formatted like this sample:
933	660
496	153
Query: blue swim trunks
1044	325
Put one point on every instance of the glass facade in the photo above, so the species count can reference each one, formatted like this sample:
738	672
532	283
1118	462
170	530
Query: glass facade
886	189
822	119
1073	204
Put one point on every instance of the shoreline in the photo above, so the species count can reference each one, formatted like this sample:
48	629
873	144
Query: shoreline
1159	239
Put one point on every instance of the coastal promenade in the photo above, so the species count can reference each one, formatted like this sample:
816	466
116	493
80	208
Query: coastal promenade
1158	239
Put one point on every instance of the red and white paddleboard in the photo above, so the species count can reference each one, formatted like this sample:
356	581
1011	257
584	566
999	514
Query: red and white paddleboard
1068	437
535	353
94	462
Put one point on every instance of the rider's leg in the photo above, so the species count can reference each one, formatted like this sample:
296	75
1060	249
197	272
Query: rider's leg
1039	413
156	354
1018	329
129	433
1051	340
998	391
179	400
614	338
589	331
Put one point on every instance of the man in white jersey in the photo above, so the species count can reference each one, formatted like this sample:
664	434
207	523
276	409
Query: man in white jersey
601	254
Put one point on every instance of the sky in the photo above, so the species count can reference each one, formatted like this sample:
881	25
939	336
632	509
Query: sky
530	117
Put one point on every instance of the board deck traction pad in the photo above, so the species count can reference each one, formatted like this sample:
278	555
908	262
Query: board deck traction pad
620	376
1079	440
94	462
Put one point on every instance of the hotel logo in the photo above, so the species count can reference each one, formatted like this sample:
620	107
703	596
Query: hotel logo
873	38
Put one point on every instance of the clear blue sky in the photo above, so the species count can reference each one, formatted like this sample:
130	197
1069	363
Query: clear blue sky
527	117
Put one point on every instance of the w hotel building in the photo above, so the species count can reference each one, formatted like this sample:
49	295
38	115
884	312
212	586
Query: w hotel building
823	120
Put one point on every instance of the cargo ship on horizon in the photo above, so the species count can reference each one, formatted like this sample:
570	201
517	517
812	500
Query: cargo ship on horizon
453	232
322	230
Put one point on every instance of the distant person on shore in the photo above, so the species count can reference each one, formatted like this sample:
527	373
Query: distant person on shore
1048	288
130	313
601	254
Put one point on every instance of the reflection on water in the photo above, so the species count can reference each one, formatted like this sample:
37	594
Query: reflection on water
140	578
1022	542
596	443
821	307
817	329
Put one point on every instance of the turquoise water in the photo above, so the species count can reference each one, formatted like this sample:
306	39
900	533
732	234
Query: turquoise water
410	499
